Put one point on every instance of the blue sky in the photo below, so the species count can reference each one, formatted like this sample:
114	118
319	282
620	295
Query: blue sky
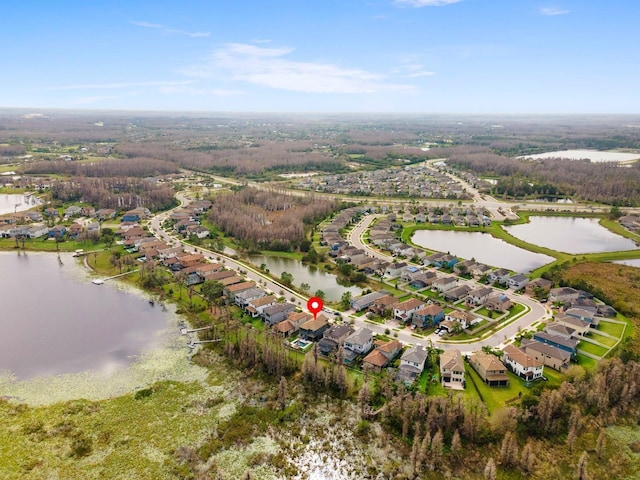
424	56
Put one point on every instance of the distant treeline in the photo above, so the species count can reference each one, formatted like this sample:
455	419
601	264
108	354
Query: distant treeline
114	167
582	180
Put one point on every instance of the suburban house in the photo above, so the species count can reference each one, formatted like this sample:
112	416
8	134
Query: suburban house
563	294
58	231
498	302
463	268
403	311
423	279
105	214
567	344
383	304
314	329
446	261
549	355
202	269
518	281
521	364
231	291
465	319
256	306
540	285
382	354
500	275
480	270
365	301
276	313
333	338
491	370
431	259
555	328
427	316
360	341
395	269
445	284
580	327
582	314
73	211
292	323
242	299
457	293
479	295
452	369
411	364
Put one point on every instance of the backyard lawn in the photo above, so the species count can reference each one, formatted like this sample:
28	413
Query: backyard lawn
494	397
593	349
611	328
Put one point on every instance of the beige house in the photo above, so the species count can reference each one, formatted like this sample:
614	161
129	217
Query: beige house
491	370
452	369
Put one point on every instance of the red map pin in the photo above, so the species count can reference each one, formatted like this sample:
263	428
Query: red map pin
315	304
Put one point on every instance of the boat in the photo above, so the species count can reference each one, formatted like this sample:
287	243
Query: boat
97	281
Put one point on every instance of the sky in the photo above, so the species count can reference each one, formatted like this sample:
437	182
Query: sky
383	56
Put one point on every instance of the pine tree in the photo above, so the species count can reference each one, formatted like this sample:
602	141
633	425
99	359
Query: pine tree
490	470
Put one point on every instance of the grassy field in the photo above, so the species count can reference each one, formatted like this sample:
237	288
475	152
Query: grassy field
133	436
593	349
494	397
614	329
609	342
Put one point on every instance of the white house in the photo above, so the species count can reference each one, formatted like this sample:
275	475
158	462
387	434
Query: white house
522	364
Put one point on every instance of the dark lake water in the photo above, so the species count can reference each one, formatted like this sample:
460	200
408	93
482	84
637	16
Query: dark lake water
55	321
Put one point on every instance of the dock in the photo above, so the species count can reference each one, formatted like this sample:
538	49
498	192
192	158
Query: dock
100	281
184	330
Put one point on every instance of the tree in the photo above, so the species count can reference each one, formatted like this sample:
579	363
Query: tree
490	470
211	291
581	471
305	287
282	393
286	278
345	300
320	294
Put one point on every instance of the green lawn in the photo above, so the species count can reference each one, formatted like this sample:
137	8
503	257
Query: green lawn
609	342
611	328
516	309
593	349
494	397
587	362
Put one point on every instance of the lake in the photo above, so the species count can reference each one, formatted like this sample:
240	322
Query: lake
317	279
572	235
55	321
482	247
10	203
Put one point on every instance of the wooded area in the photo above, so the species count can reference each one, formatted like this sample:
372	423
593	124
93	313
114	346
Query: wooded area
268	219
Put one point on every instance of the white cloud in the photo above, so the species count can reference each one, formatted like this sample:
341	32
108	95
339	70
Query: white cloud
167	30
425	3
269	67
195	91
552	11
415	71
110	86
